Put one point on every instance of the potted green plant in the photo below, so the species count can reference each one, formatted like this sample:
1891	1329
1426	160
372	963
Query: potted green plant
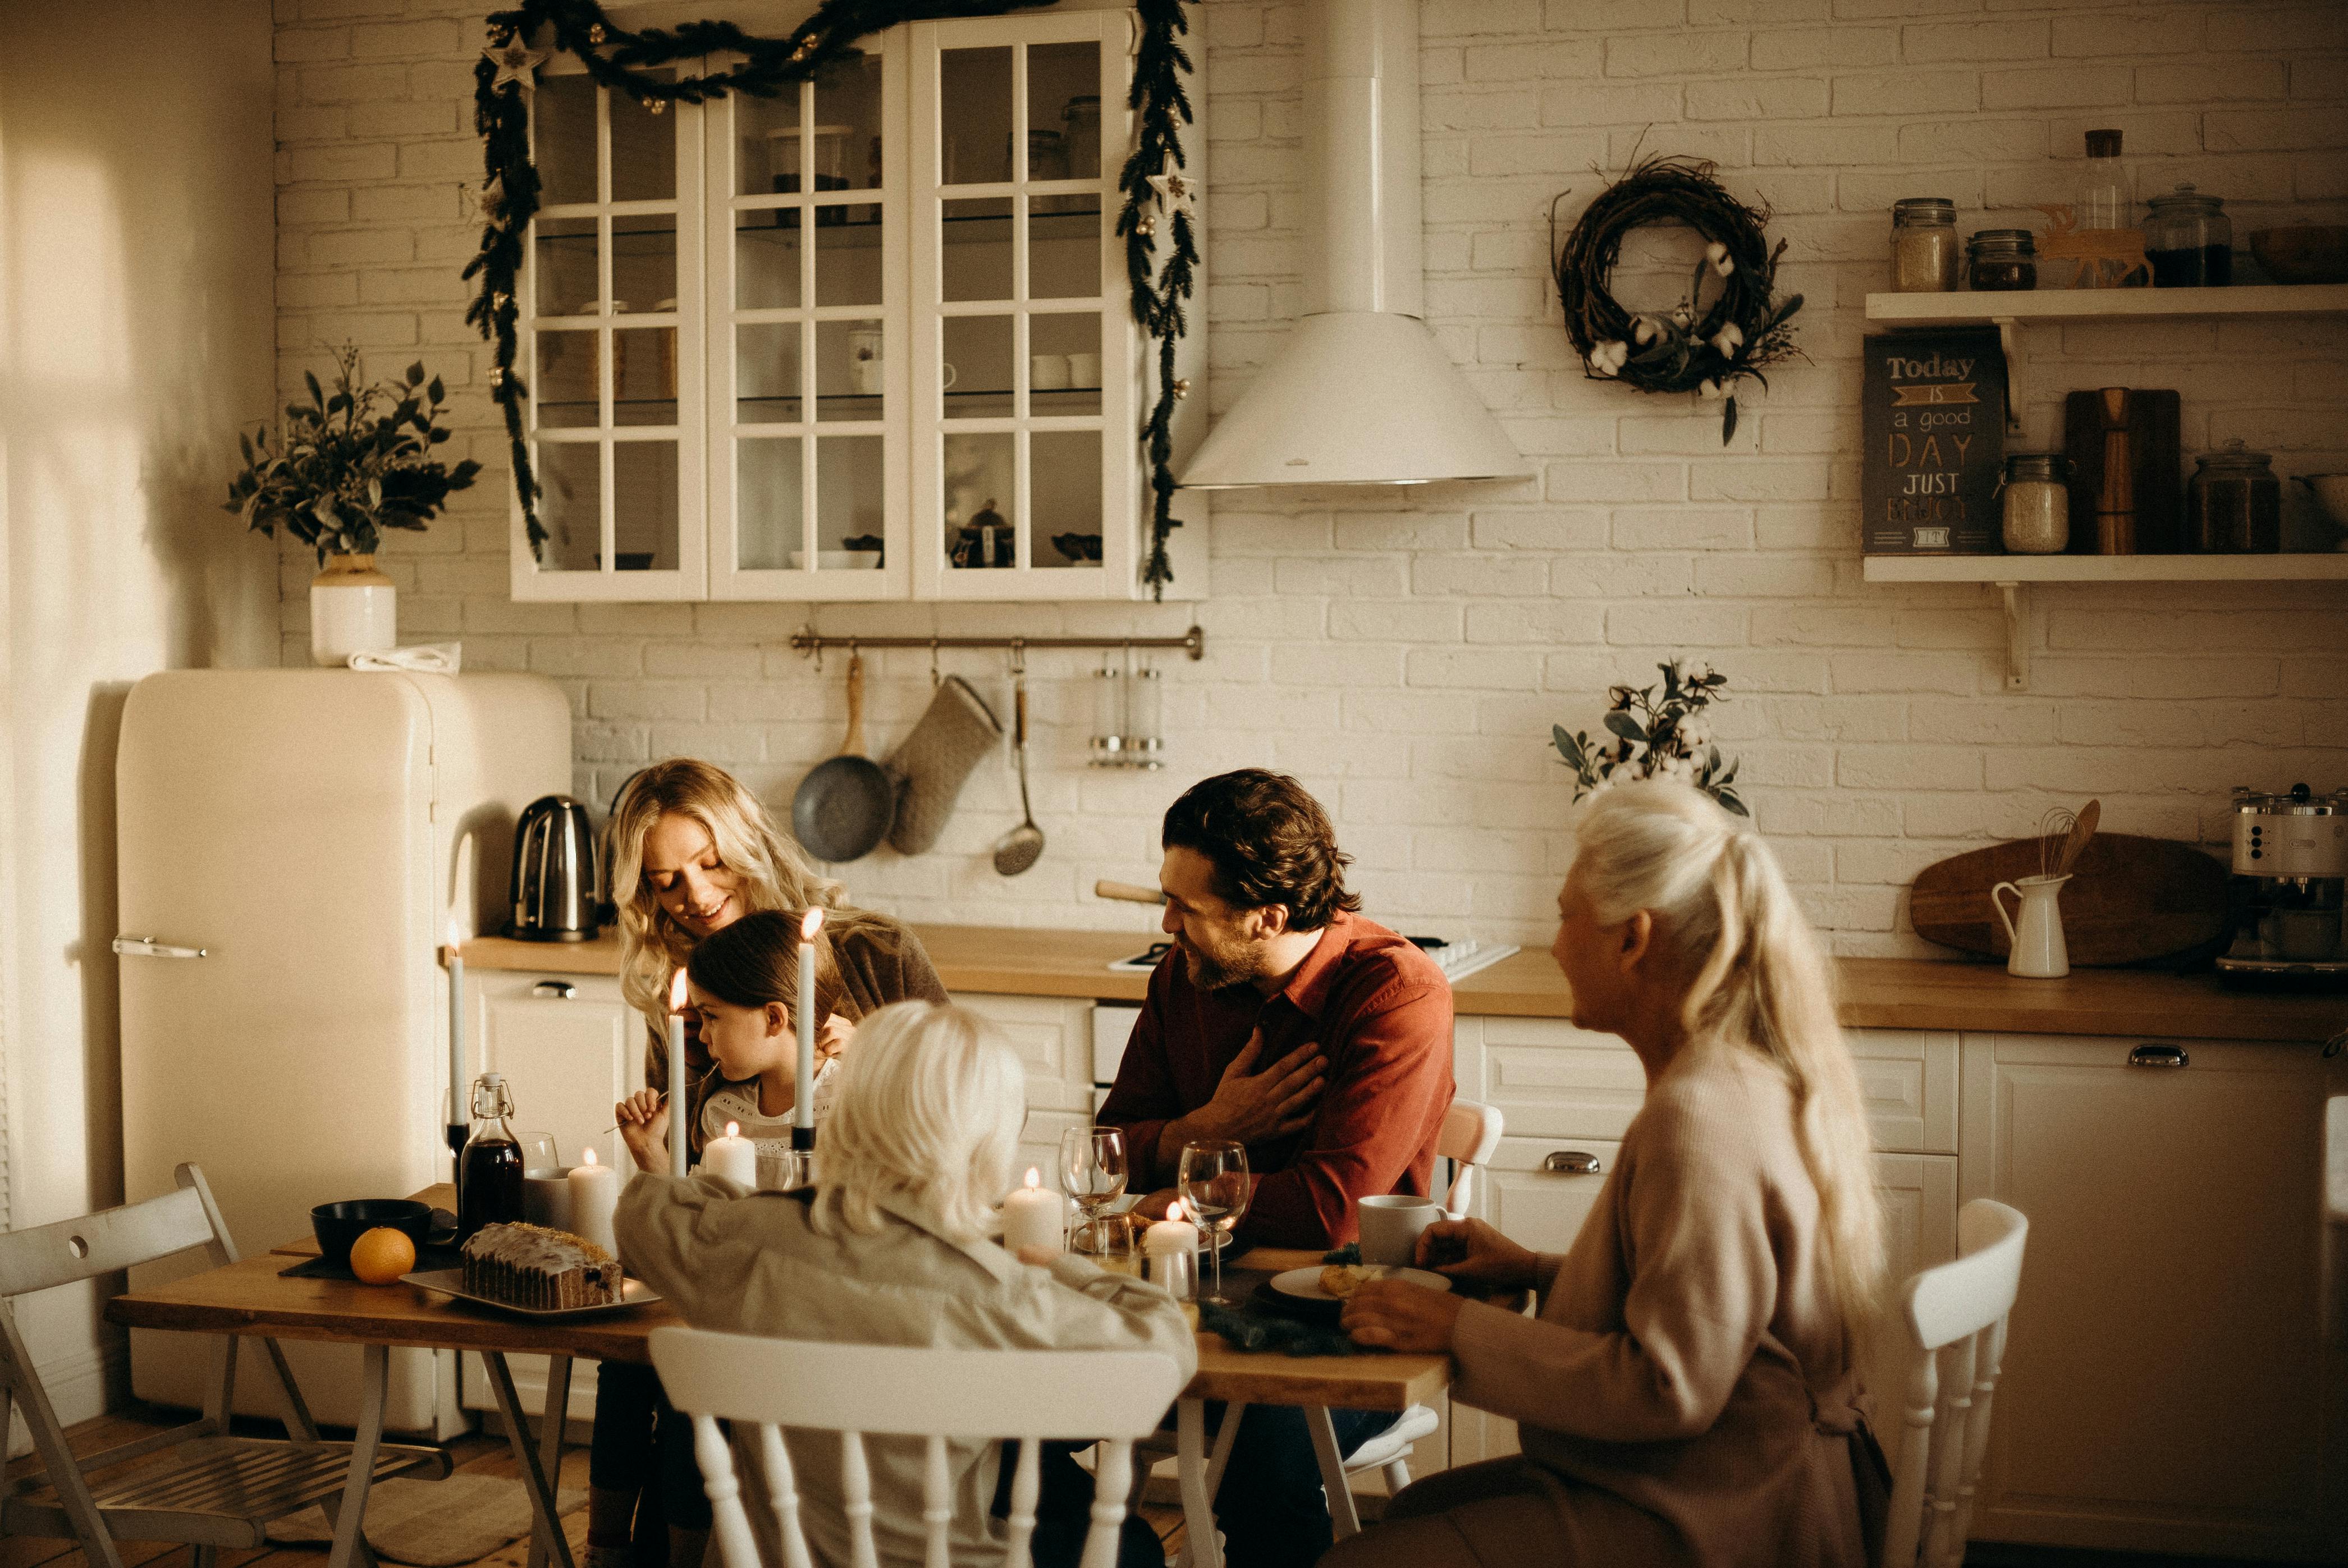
349	463
1654	737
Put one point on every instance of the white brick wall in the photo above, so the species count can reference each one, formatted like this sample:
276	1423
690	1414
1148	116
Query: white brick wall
1405	653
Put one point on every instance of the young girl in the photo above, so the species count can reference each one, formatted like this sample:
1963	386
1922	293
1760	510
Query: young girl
743	983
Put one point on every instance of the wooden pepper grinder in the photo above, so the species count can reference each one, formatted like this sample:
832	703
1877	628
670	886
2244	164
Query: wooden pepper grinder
2116	500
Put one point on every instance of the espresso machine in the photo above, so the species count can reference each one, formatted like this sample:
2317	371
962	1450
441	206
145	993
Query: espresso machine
2290	864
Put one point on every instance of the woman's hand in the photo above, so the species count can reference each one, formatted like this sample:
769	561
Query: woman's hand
831	1038
1394	1315
644	1127
1474	1252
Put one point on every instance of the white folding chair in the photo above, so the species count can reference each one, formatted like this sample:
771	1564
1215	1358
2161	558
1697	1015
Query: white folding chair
1114	1396
1952	1318
215	1489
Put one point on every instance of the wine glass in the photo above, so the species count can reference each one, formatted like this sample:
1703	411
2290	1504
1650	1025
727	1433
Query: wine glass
1093	1170
1213	1178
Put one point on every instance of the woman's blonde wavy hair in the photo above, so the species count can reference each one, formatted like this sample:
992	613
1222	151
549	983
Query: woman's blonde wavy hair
1757	981
931	1100
774	876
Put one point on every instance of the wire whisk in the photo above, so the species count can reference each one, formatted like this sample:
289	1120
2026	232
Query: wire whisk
2054	831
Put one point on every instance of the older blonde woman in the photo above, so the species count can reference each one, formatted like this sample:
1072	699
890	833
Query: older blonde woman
1687	1394
692	853
890	1247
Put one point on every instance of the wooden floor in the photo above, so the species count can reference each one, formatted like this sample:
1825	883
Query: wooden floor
482	1454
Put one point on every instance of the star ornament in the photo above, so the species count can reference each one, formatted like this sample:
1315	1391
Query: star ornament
517	65
1176	190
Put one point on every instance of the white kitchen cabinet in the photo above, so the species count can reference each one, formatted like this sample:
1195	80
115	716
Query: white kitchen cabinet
2165	1386
869	339
1052	1036
570	1049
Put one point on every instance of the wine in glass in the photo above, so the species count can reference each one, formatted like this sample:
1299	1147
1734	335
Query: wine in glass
1213	1178
1093	1171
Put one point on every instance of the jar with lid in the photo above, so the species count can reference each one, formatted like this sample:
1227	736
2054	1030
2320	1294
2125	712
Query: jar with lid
2189	240
2036	489
1923	245
1082	116
1999	261
2233	503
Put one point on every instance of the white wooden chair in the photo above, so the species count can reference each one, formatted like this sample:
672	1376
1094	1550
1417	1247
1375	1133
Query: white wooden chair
216	1489
1469	1138
1953	1320
1116	1396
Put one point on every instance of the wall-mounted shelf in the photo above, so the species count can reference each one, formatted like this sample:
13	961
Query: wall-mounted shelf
2009	312
2013	575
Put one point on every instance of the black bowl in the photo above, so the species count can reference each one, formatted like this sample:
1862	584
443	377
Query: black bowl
337	1226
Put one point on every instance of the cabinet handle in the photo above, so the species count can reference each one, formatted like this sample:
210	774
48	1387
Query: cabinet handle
562	991
1572	1163
2159	1056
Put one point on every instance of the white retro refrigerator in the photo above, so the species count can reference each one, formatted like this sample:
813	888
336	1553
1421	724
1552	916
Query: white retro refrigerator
316	834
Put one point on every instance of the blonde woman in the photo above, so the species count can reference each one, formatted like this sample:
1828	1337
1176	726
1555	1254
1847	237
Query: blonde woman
692	853
1688	1394
890	1247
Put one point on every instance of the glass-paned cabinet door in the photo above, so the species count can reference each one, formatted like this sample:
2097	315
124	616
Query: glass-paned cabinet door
1026	466
807	364
611	348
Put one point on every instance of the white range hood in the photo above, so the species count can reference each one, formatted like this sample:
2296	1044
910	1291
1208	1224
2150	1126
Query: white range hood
1361	392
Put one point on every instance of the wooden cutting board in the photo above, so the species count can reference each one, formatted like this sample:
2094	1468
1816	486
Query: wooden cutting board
2130	900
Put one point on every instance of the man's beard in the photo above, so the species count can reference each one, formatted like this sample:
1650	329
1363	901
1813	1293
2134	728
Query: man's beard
1234	964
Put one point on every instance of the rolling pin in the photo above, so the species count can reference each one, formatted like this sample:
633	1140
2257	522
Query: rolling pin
1131	892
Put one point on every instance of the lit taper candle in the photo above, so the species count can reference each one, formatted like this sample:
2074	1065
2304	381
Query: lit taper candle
678	1100
803	1085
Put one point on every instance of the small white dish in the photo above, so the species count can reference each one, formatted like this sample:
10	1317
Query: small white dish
1304	1284
839	560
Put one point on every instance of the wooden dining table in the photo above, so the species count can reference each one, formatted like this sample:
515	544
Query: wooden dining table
254	1295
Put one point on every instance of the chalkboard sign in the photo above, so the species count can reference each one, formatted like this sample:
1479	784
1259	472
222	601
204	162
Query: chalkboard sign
1933	419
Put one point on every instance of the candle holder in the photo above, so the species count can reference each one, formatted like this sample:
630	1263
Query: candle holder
1176	1272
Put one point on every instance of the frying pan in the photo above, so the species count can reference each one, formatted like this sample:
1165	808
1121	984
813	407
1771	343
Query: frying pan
844	807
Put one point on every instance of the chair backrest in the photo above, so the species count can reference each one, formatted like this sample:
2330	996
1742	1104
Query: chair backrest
107	1242
1116	1396
1470	1136
1950	1321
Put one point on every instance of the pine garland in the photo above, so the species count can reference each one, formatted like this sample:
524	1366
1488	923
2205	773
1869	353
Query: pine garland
621	60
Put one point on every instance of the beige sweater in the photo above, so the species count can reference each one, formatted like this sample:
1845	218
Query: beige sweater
1689	1362
748	1264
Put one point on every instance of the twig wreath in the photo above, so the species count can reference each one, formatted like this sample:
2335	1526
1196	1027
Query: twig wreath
1705	349
1153	187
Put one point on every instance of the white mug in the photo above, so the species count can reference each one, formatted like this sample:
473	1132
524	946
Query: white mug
2038	952
1083	370
546	1197
1390	1227
1047	372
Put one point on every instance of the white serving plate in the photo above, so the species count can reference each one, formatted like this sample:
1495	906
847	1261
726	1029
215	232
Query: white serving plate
1304	1284
451	1282
839	560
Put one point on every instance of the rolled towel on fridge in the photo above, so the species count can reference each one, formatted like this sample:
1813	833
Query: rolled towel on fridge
953	735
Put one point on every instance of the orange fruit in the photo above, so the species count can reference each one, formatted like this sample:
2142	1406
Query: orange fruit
382	1255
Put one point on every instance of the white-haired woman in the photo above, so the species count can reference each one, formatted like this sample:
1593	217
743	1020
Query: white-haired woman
692	851
1687	1395
890	1247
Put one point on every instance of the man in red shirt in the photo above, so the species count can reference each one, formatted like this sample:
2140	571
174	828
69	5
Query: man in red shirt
1284	1021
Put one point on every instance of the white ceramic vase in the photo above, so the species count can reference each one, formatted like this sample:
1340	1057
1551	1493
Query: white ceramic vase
354	609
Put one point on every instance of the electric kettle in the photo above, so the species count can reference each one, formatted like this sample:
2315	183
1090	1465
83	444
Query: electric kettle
554	882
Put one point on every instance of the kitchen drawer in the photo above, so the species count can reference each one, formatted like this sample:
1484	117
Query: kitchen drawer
1054	1038
1551	1080
1112	1027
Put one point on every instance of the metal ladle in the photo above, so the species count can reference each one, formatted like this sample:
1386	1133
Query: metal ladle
1021	847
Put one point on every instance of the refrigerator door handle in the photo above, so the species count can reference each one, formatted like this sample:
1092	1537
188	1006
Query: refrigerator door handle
151	948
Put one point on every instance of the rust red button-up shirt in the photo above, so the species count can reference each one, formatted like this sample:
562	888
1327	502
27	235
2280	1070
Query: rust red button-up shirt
1381	1012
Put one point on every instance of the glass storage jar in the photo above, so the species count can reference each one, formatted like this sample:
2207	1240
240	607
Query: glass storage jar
2189	240
2233	503
2037	503
1999	261
1923	245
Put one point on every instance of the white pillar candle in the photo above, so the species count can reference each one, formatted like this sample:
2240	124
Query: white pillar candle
594	1195
1169	1251
803	1085
679	1102
734	1157
1032	1216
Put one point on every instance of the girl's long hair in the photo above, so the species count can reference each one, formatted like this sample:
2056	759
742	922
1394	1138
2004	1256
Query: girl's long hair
772	873
755	962
1757	981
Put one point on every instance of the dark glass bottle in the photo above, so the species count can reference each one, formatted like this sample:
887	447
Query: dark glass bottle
489	1183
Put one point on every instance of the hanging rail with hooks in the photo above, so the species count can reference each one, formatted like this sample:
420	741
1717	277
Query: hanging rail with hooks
809	640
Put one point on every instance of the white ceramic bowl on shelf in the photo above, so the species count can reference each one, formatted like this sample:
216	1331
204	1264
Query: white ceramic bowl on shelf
839	560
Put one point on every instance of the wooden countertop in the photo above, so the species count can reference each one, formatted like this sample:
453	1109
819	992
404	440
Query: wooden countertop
1878	993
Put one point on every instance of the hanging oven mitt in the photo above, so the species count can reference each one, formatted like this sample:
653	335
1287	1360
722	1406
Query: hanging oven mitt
955	733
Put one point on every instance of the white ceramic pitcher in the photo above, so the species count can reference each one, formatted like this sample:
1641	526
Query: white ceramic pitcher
2038	951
